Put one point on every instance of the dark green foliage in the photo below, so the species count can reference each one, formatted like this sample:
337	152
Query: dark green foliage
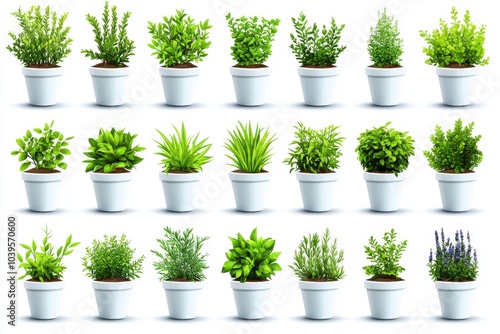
385	257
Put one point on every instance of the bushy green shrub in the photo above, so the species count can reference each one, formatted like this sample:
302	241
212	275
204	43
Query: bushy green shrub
385	46
385	257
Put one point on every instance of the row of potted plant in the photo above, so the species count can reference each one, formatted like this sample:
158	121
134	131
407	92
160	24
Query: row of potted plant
251	263
178	42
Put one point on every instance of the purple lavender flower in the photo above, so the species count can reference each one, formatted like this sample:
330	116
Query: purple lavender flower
430	256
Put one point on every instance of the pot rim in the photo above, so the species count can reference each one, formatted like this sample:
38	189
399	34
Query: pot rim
249	72
113	286
378	285
318	72
43	72
42	177
317	177
385	72
179	72
457	72
456	177
253	286
315	286
180	177
111	177
178	285
109	72
444	285
44	286
249	177
383	177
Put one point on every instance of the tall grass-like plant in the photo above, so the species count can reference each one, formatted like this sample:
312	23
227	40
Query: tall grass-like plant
385	46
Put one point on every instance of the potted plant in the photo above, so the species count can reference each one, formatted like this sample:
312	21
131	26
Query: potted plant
251	263
251	49
111	265
315	158
114	48
384	154
317	54
454	268
456	49
250	152
112	156
317	263
453	156
385	47
181	267
178	42
44	267
44	150
183	158
385	287
41	45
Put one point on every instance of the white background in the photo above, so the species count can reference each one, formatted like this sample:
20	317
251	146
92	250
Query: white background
214	112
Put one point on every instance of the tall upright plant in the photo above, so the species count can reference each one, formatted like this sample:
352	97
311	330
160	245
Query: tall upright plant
385	46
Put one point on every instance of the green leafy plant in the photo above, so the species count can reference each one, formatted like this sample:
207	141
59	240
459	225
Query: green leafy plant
42	263
183	153
456	150
385	150
112	259
113	45
315	151
385	47
178	40
318	259
252	39
112	151
459	43
46	151
251	259
385	257
43	41
181	258
312	48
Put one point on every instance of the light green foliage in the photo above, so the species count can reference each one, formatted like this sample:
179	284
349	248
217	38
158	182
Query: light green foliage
252	39
114	46
312	48
456	150
183	153
318	259
385	150
111	258
178	40
111	150
44	264
384	44
181	257
385	257
315	151
460	42
45	151
44	38
251	259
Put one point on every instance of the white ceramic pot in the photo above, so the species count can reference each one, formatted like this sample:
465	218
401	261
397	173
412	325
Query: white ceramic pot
44	298
179	190
252	299
456	298
42	190
385	85
183	298
113	298
43	85
250	190
317	190
318	85
319	298
457	85
179	85
109	85
111	190
383	190
456	190
385	298
250	85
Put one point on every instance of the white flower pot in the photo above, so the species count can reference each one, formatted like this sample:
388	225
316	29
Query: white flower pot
318	85
44	298
179	85
250	190
383	190
109	85
251	299
456	190
385	298
43	85
456	298
385	85
179	190
111	190
319	298
457	85
250	85
113	298
42	190
317	190
183	298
